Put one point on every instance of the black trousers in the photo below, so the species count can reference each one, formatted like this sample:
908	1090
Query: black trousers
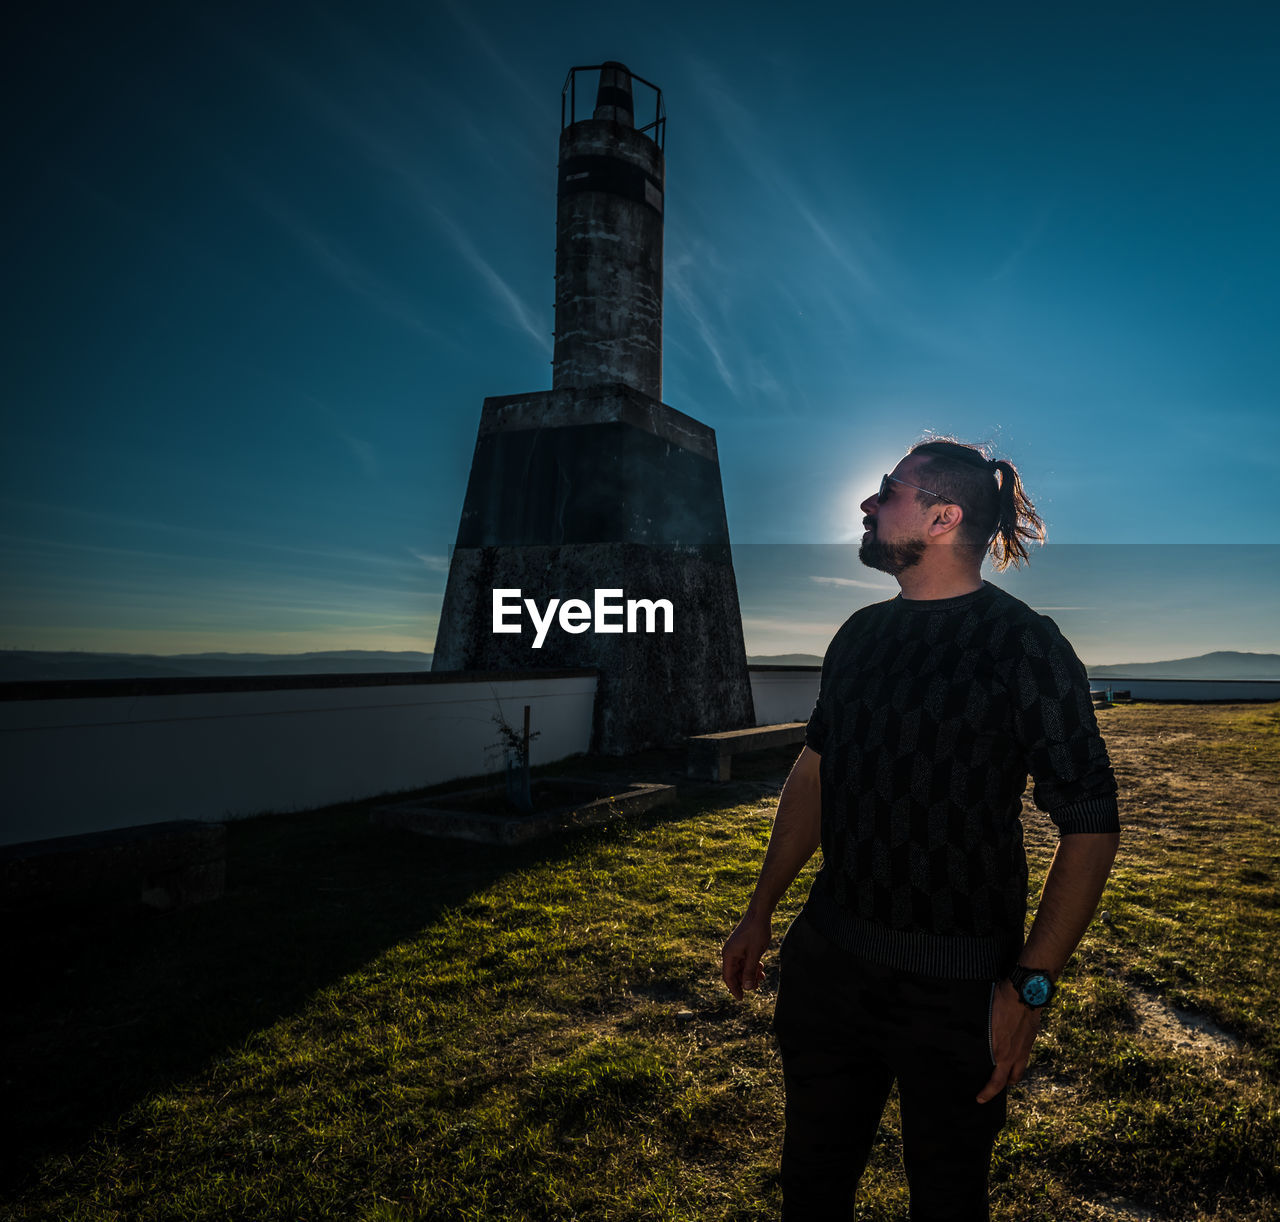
847	1029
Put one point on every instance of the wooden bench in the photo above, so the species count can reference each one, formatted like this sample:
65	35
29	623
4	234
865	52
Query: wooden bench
159	865
711	755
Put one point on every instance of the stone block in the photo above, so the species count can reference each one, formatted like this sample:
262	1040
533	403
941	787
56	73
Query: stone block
711	755
456	816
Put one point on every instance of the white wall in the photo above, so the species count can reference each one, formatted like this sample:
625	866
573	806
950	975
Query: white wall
84	763
782	694
90	763
1191	689
788	695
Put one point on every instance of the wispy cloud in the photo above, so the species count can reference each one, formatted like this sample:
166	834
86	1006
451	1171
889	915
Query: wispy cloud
804	628
524	317
363	451
827	239
339	263
682	287
848	242
158	590
772	634
384	146
508	75
851	581
837	249
247	542
1026	243
436	564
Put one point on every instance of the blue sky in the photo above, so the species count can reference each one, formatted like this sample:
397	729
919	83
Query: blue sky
264	263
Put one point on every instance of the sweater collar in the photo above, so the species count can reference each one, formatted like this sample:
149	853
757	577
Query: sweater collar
945	604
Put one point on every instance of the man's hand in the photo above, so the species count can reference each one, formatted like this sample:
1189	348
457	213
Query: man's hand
1072	888
797	828
1013	1030
740	958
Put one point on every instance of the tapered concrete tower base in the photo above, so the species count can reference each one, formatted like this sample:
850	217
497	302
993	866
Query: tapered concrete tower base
578	490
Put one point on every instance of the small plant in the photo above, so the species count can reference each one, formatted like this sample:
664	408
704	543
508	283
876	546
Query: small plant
515	748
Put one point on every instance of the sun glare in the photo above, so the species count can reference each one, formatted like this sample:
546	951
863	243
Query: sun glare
847	512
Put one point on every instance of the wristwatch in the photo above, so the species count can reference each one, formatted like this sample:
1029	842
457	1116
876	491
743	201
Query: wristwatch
1033	986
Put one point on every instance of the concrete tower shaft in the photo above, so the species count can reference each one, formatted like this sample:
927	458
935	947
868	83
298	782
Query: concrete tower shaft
609	245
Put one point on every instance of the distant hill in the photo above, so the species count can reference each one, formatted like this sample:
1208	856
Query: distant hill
785	659
22	666
1223	664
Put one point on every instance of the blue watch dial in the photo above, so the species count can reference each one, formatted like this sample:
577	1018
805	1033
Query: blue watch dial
1035	991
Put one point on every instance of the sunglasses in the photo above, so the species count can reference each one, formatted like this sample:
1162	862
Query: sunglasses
886	491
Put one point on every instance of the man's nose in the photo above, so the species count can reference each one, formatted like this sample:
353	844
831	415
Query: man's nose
871	505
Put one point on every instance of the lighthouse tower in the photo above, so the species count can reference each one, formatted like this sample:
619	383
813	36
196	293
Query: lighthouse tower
609	247
597	484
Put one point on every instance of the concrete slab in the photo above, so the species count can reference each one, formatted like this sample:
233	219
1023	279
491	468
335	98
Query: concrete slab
450	818
711	755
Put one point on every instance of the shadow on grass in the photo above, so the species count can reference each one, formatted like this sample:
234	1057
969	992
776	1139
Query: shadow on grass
106	1008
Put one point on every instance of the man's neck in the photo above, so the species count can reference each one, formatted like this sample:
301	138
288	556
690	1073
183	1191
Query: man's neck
918	583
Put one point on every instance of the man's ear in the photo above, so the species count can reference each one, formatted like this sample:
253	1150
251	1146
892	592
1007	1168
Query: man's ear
946	521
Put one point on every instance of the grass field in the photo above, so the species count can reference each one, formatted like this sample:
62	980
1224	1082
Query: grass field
376	1026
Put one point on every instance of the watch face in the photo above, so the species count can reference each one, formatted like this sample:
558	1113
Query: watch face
1036	990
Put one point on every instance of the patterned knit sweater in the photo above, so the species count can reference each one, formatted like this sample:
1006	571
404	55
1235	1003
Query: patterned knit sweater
930	716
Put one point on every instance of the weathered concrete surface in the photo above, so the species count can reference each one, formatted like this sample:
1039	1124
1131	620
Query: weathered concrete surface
435	818
654	688
711	755
161	865
604	465
606	403
609	258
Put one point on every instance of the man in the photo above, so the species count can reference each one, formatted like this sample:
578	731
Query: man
908	961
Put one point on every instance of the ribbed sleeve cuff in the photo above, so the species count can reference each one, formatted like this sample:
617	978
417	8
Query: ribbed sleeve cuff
1091	815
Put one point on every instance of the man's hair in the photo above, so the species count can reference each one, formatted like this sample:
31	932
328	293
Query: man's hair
998	516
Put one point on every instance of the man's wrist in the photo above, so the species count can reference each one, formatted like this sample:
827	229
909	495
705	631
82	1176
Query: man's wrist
1033	986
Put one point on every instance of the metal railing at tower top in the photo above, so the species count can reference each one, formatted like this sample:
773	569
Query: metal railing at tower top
569	102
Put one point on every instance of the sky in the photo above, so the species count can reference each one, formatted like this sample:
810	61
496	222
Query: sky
264	262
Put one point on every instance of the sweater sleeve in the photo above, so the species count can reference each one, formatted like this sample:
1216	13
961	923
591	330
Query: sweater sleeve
815	735
1058	731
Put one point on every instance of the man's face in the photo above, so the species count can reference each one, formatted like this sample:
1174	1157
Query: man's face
895	540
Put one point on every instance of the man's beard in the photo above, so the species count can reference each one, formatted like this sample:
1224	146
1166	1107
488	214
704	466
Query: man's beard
891	558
